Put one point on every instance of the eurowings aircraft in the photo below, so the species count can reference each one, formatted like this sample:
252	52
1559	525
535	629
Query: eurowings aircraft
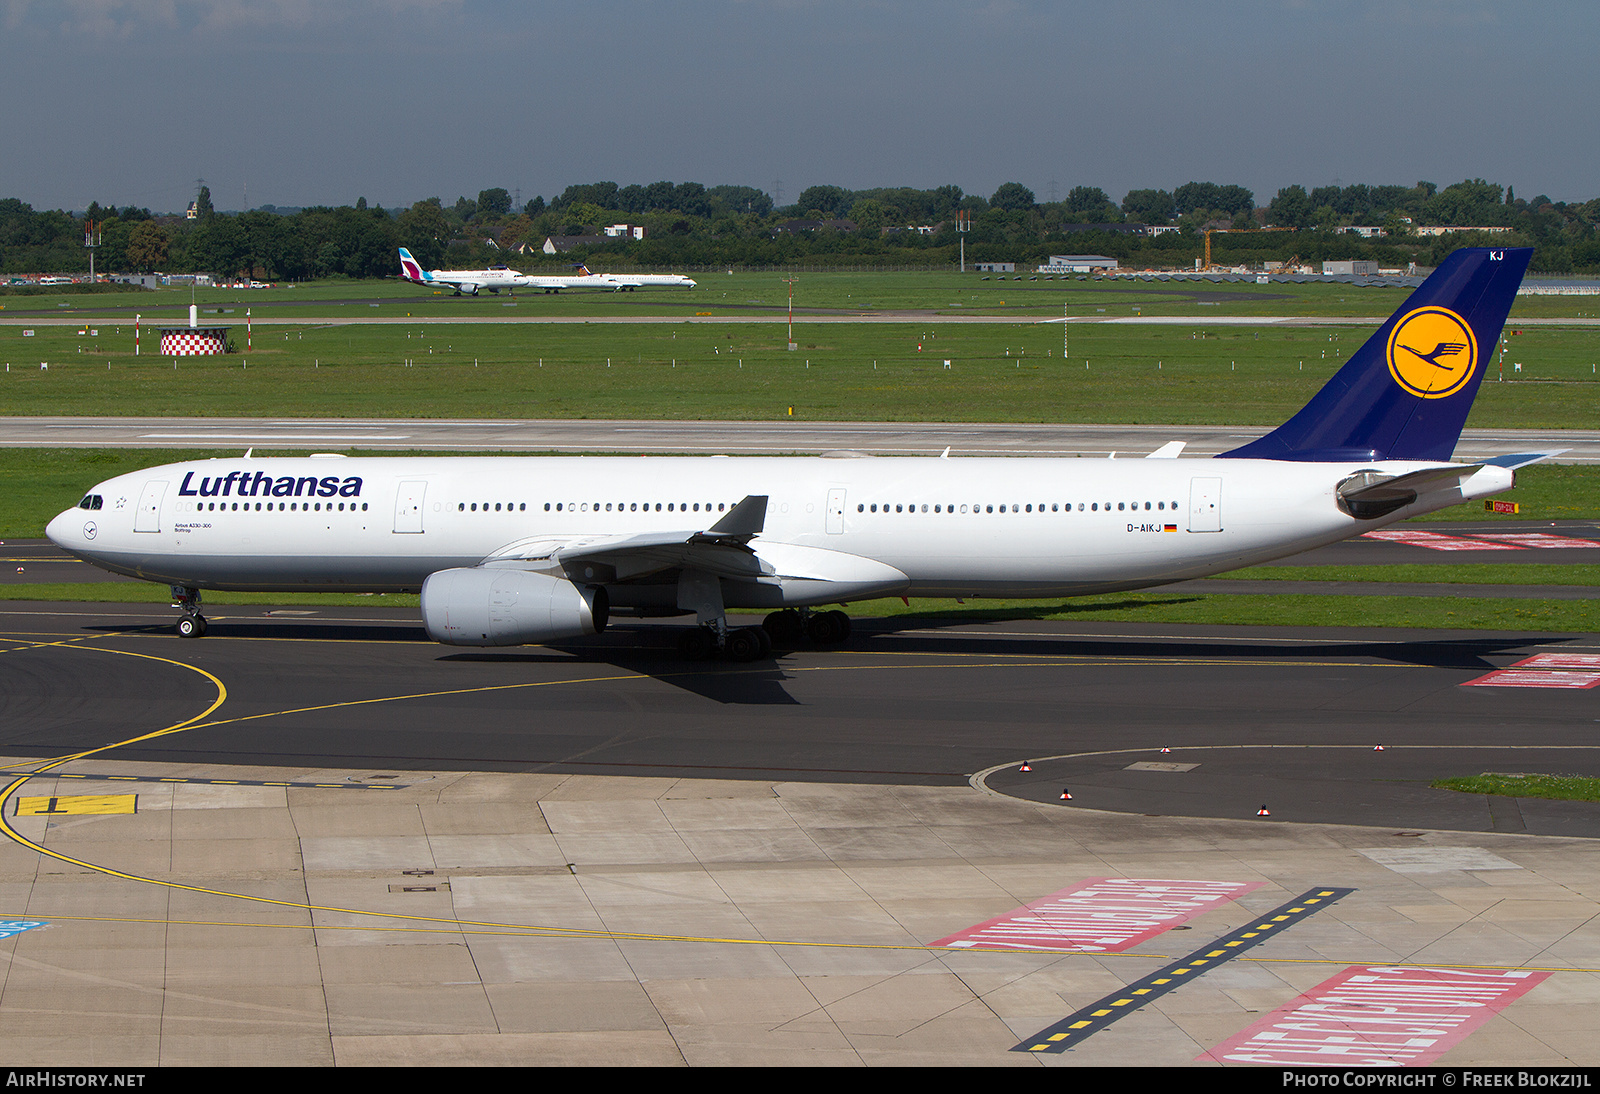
512	550
495	278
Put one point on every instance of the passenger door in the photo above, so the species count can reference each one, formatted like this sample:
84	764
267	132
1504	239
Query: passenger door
147	518
408	506
1205	505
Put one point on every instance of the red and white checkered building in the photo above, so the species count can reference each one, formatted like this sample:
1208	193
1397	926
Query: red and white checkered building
193	341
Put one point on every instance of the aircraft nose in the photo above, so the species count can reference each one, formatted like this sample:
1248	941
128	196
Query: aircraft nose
66	529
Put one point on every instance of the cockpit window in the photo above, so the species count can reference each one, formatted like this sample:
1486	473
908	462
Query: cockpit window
91	501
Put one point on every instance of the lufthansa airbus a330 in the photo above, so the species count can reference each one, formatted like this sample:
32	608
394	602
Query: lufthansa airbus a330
511	550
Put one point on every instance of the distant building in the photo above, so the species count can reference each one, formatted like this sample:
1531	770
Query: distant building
1060	264
995	267
563	244
1351	267
1444	229
625	231
1366	231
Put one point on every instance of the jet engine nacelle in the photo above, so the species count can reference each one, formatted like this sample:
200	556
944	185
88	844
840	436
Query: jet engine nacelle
501	607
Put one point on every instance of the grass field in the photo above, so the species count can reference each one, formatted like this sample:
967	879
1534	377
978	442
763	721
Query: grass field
765	292
839	372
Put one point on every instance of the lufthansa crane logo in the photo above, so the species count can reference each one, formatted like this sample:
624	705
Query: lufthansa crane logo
1432	352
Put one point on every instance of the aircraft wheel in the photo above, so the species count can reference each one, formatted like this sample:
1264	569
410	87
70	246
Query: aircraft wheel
784	627
696	644
744	645
828	628
192	626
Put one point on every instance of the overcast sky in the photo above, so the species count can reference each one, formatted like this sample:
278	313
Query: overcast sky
301	102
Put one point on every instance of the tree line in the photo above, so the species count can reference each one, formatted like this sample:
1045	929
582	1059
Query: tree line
691	225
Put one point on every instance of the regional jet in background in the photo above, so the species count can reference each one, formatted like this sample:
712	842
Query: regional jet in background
499	277
629	282
510	550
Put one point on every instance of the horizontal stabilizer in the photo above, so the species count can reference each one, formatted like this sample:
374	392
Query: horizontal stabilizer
1168	451
1368	495
1515	460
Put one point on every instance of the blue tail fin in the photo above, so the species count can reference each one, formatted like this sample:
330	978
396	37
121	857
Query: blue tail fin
1404	395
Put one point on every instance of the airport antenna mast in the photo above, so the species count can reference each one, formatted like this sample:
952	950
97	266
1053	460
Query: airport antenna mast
790	282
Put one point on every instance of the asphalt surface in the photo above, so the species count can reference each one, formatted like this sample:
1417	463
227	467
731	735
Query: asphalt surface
1281	716
314	837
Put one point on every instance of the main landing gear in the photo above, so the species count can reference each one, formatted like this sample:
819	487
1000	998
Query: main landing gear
742	644
193	624
788	628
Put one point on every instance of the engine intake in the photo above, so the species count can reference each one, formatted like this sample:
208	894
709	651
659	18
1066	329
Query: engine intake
503	607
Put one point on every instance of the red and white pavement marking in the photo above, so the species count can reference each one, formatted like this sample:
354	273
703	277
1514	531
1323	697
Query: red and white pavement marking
1378	1016
1101	915
1539	539
1436	542
1535	678
1560	661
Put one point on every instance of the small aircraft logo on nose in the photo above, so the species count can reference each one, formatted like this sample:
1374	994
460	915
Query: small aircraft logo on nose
89	530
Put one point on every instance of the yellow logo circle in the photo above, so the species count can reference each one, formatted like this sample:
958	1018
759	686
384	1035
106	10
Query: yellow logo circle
1432	352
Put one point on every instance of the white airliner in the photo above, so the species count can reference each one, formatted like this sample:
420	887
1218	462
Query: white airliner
500	277
511	550
495	278
629	282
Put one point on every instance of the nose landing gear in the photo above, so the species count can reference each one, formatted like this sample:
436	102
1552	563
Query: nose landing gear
193	624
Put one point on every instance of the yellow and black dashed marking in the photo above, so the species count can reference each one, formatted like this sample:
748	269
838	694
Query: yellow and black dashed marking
205	782
1098	1015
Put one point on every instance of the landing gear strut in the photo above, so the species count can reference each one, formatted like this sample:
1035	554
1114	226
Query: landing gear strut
193	624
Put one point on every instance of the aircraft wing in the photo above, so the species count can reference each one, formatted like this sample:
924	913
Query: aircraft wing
722	549
730	548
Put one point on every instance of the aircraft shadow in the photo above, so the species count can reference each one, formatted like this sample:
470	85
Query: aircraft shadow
1451	652
651	650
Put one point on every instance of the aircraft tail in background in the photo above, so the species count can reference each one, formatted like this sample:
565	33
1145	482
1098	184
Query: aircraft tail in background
411	269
